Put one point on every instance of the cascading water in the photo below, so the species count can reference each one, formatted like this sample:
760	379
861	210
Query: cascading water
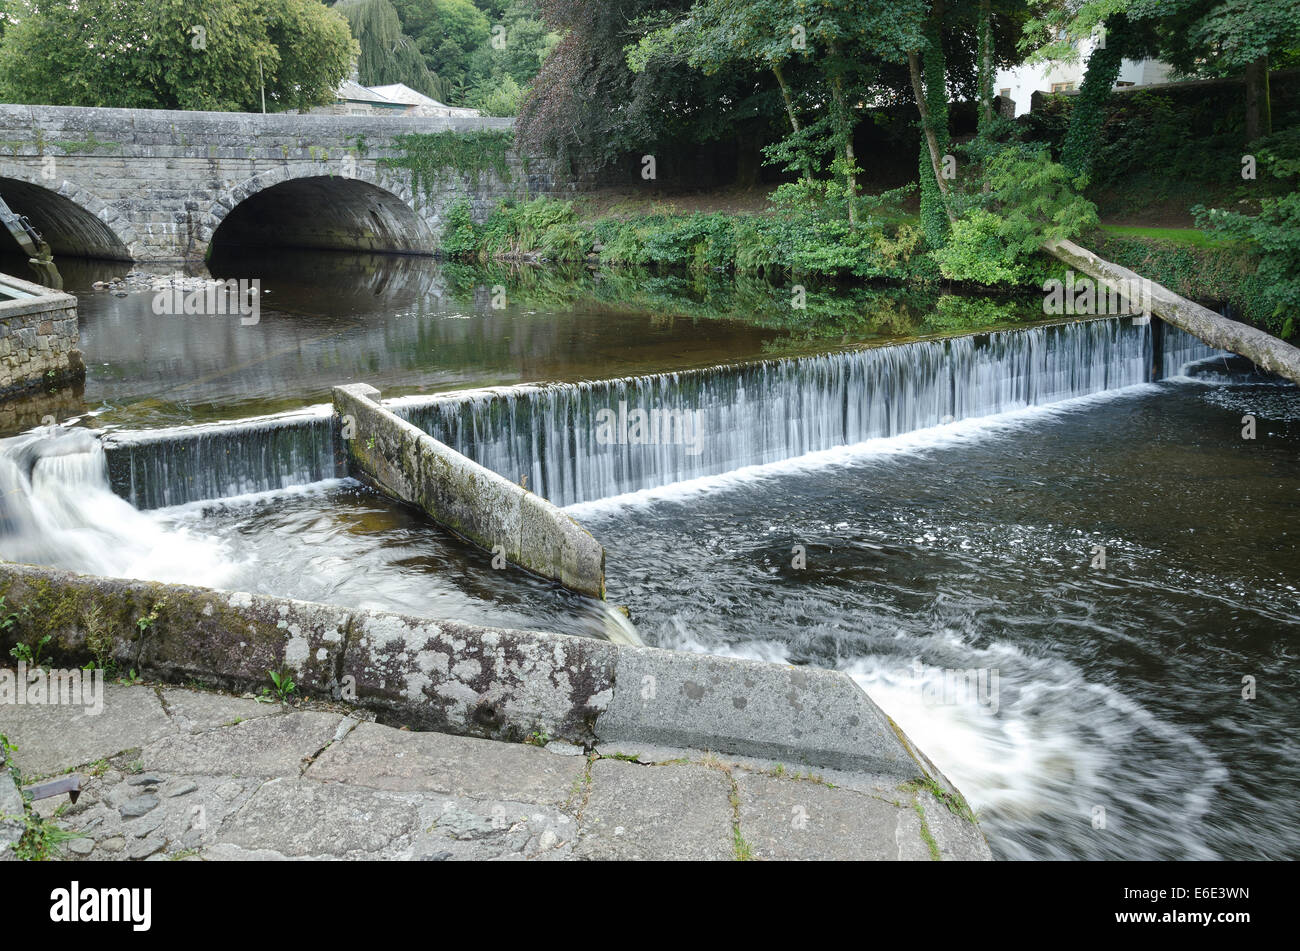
1179	349
707	422
162	467
57	509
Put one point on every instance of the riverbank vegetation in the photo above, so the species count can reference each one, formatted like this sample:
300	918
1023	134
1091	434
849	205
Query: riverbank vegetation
820	98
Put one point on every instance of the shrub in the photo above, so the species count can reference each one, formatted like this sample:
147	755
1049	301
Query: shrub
460	237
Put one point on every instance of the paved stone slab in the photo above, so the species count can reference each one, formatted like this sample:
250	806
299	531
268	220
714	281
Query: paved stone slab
816	718
185	821
267	747
453	829
956	837
51	738
249	791
783	818
194	711
301	817
11	807
384	758
656	812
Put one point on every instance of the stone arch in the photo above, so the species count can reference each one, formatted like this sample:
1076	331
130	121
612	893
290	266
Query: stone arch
72	220
311	205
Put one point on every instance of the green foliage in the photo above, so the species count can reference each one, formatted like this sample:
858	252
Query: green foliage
175	54
499	96
1084	135
7	618
459	236
515	229
565	241
283	684
809	235
1032	201
978	251
446	33
387	54
1037	198
1273	234
430	157
30	654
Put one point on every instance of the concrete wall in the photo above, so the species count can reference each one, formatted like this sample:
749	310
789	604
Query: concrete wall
38	338
476	503
456	678
155	185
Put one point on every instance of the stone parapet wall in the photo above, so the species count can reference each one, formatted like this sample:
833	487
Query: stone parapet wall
154	185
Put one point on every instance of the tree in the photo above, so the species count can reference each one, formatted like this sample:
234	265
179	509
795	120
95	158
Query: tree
447	32
387	54
526	41
587	104
177	54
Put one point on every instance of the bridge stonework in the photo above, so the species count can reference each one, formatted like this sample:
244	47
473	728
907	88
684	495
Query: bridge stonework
155	185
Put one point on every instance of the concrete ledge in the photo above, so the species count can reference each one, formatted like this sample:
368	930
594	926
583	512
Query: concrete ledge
751	708
456	678
476	503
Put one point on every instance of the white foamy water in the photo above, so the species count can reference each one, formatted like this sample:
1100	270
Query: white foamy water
58	510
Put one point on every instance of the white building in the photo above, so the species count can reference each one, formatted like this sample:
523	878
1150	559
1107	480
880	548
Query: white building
1021	82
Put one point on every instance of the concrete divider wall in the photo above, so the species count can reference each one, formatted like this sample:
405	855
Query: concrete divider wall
456	678
476	503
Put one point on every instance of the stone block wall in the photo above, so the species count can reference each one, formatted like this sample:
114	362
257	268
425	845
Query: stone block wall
38	338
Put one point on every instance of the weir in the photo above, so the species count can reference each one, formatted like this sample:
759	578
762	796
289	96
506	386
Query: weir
548	437
161	467
766	412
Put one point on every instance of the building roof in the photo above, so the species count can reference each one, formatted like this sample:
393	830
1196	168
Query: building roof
350	91
400	92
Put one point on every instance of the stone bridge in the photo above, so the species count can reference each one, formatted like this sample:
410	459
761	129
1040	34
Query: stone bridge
158	185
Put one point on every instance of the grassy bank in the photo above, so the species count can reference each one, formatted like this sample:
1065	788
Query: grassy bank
789	245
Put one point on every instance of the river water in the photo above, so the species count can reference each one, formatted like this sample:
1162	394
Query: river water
1057	576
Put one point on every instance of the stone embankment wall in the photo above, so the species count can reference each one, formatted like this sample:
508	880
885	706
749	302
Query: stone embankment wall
38	338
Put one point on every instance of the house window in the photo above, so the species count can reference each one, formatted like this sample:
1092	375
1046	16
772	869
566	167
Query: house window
1005	93
1124	83
1062	87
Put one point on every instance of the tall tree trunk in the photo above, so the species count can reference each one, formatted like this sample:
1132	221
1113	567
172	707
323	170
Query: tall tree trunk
930	85
790	113
1089	112
846	135
931	140
985	78
1259	110
985	66
785	97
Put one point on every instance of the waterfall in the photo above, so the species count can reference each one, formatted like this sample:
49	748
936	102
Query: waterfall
160	467
1179	349
579	442
57	509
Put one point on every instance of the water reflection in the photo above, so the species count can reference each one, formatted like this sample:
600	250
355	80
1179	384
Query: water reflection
414	325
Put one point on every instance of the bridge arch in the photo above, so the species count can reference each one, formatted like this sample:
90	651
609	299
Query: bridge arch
317	208
71	219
